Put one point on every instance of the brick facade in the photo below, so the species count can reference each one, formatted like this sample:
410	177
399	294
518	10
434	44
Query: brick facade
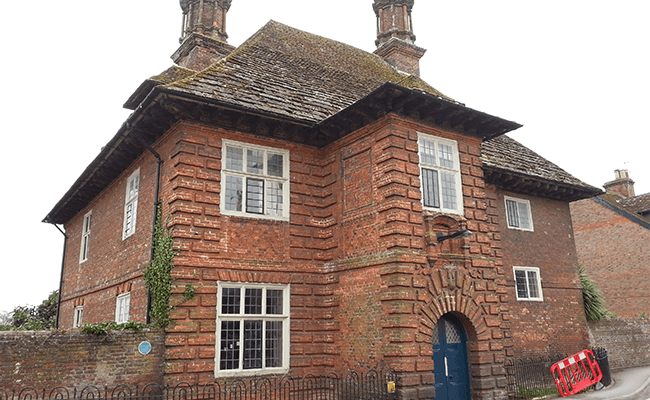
368	281
616	253
557	324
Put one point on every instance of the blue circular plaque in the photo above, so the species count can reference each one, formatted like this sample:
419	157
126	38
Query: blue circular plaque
144	348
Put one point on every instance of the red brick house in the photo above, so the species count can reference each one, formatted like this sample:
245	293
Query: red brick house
332	210
612	233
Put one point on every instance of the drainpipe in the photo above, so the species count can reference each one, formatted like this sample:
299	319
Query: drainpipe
58	305
156	202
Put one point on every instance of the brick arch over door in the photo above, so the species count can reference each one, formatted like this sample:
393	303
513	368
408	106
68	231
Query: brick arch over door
455	291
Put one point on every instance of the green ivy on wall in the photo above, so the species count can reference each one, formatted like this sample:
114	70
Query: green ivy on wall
158	275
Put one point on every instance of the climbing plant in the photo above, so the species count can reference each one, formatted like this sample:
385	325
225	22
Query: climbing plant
158	274
594	302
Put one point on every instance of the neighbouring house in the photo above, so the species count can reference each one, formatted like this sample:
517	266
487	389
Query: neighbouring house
612	233
331	210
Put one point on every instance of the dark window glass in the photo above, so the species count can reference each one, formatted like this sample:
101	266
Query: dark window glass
229	358
255	196
430	188
252	344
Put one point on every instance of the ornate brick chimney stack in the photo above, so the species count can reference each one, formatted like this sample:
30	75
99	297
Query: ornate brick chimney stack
203	38
622	185
395	38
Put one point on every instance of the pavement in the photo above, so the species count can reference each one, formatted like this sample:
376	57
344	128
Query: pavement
627	384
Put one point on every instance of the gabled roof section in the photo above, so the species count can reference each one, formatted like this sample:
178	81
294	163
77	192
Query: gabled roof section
633	208
514	167
282	83
286	72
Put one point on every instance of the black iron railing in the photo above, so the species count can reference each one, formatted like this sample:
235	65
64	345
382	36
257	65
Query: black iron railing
373	385
530	377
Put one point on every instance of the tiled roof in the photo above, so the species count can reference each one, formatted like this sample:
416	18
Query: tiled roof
506	156
290	73
634	208
637	204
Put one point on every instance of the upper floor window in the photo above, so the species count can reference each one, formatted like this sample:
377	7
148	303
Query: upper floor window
255	181
528	284
78	316
518	214
252	328
440	174
85	237
122	306
131	204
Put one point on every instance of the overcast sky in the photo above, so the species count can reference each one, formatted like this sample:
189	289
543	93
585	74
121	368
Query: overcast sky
575	73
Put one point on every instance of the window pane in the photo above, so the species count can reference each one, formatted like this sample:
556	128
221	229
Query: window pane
448	190
275	165
253	301
273	354
512	213
446	156
255	161
234	158
255	196
427	152
230	300
234	188
430	188
229	345
522	291
524	221
129	217
532	284
252	344
274	198
274	302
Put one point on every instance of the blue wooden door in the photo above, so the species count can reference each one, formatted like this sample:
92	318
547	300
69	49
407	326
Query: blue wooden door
450	365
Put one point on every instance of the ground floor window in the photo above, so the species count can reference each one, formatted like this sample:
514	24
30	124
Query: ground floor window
122	306
252	328
528	284
78	316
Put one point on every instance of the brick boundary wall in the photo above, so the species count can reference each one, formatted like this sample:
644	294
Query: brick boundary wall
627	341
71	358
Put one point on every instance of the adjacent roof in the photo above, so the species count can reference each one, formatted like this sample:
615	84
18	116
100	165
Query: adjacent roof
514	167
635	208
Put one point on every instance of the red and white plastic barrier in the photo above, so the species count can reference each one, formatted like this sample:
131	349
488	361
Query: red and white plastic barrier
576	373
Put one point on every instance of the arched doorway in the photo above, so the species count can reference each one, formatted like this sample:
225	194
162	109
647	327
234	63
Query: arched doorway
450	362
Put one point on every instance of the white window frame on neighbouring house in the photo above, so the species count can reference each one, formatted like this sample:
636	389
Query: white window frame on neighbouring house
78	316
518	214
85	236
122	307
440	178
131	204
528	284
252	329
254	181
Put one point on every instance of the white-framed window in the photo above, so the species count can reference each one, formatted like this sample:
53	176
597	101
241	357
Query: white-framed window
528	285
122	306
252	329
131	204
254	181
440	174
85	237
78	316
518	214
